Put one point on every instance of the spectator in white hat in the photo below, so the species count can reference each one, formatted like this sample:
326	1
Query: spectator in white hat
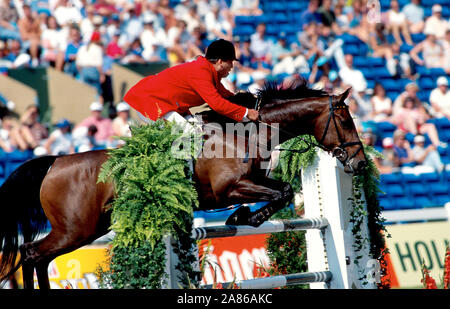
435	24
104	125
440	98
427	156
121	124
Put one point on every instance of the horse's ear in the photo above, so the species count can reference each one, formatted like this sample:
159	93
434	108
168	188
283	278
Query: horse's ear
344	95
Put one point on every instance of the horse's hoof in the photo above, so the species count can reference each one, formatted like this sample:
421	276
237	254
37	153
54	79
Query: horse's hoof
239	217
259	217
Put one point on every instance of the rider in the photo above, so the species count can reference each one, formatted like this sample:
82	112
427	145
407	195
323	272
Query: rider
170	93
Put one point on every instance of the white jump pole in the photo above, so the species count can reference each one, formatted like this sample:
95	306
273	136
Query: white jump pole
326	190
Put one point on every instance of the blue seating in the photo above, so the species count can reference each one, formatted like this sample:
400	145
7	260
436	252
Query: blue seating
421	202
430	178
244	30
411	179
394	191
403	203
417	190
391	179
427	83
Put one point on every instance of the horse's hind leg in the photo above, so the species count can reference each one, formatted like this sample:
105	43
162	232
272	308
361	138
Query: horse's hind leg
40	253
26	255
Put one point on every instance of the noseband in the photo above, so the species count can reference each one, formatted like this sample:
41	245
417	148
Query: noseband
340	151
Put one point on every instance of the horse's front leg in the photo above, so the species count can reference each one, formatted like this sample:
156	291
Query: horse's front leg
276	192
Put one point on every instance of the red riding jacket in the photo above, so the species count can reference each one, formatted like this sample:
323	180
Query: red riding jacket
181	87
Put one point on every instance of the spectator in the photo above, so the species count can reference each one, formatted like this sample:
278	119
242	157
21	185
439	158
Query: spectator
178	42
5	63
436	24
432	52
89	62
104	8
308	39
357	113
412	118
113	49
427	156
217	24
311	14
327	15
342	19
60	141
70	54
87	23
104	125
440	98
397	23
151	12
286	59
66	13
246	66
414	14
153	41
121	124
30	33
358	23
260	45
196	44
192	19
134	53
51	38
330	46
401	65
446	46
245	7
10	137
390	160
411	90
8	21
381	105
379	44
402	149
31	129
352	76
132	26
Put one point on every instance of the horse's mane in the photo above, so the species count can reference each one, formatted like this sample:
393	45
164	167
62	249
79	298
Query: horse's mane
270	94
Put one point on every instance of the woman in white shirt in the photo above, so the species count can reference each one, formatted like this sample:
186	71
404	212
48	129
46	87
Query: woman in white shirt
51	38
381	105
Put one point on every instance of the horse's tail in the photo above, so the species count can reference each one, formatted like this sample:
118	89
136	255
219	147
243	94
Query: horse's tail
21	211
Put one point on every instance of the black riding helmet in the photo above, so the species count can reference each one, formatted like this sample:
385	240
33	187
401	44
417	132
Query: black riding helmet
221	49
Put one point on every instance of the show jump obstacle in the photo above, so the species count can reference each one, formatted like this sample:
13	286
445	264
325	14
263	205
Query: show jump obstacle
330	251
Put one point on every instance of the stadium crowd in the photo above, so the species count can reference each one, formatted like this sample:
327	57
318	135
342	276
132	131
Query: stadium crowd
84	38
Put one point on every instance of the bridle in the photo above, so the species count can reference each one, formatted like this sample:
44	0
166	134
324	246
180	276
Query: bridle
339	152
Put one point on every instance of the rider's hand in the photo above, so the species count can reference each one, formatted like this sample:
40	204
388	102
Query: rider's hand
252	114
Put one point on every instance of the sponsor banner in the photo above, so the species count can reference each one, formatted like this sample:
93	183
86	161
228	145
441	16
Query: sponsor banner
227	260
411	245
234	258
75	270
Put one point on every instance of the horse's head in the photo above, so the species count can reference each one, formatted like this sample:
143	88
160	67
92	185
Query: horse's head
336	131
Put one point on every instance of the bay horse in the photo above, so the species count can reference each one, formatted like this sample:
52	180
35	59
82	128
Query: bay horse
64	189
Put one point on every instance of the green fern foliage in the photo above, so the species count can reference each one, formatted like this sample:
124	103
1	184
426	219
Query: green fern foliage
154	198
